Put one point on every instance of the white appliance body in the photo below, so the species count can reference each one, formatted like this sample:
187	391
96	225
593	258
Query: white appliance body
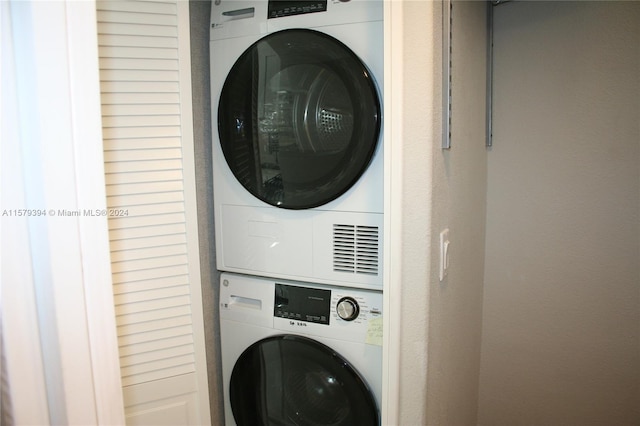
338	243
250	312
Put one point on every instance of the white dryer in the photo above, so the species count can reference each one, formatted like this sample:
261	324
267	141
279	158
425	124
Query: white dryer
300	354
297	139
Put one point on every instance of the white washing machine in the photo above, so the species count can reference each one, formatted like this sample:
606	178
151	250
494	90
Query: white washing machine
300	354
297	139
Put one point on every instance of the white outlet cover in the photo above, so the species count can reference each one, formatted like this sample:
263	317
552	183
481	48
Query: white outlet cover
444	253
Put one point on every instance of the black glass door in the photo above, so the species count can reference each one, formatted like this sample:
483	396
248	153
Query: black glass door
292	380
298	119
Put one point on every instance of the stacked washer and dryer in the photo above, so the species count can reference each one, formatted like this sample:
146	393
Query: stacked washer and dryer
298	204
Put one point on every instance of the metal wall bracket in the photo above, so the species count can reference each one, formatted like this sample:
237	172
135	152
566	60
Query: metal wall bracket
447	36
489	136
490	6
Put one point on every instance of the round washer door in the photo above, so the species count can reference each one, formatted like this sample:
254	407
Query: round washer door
298	119
293	380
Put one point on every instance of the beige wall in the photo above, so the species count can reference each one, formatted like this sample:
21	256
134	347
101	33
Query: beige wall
561	331
459	194
441	321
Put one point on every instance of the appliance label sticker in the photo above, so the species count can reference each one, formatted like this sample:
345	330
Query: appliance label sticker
374	332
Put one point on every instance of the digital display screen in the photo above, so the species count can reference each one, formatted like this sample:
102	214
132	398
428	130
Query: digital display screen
302	303
280	8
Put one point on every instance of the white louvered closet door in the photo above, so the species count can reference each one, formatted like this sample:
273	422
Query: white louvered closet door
149	164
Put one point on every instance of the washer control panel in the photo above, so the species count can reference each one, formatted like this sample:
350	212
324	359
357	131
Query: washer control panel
302	303
325	306
318	310
281	8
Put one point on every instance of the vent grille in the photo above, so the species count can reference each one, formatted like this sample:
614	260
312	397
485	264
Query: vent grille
355	249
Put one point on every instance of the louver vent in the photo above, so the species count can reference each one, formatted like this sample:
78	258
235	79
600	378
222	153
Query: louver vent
355	249
143	128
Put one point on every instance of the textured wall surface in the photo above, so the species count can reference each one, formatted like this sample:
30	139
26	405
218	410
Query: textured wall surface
459	195
440	321
561	332
199	11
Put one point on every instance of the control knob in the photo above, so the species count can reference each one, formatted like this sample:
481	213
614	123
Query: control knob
348	308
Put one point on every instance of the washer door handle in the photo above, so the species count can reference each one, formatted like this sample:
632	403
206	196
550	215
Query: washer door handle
247	12
245	302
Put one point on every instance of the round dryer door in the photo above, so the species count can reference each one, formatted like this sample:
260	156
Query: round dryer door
298	119
293	380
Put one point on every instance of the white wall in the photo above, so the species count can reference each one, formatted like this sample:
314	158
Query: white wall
561	332
411	120
431	189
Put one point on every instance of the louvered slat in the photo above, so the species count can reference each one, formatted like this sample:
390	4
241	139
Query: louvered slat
152	305
142	166
148	252
140	109
138	348
128	17
153	362
160	293
142	143
142	198
138	40
139	98
144	285
141	317
124	189
137	6
151	335
117	235
142	328
181	366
